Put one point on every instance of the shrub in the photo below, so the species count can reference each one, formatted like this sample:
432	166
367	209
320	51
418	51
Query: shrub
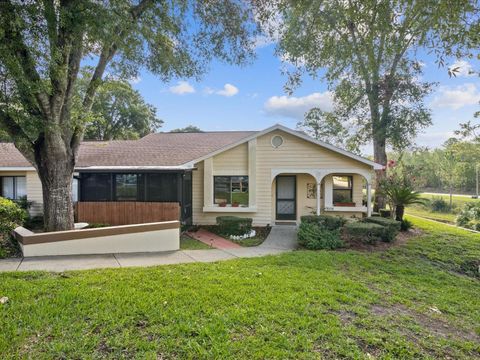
11	216
392	227
327	222
469	216
406	225
368	233
234	225
439	205
314	237
34	222
385	213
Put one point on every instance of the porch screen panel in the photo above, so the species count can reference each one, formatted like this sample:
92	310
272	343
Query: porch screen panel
162	187
96	187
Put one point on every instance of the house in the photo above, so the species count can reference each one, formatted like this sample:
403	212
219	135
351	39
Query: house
274	175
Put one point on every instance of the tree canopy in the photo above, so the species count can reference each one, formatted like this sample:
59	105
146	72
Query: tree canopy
187	129
366	51
43	44
120	112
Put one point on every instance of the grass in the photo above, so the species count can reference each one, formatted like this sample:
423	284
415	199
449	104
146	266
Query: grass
187	243
423	211
419	300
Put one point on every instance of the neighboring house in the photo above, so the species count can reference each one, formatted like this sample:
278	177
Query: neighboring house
272	175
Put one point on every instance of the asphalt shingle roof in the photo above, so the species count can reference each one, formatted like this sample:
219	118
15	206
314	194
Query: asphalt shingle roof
159	149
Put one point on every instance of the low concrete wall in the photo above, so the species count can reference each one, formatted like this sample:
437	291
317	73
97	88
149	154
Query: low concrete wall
151	237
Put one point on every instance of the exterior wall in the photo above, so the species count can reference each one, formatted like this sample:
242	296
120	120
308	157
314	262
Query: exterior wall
151	237
294	154
34	189
34	193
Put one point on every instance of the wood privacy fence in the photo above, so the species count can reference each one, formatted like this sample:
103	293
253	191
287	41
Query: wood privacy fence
125	213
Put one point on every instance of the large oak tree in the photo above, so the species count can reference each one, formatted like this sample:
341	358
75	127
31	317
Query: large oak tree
44	43
366	51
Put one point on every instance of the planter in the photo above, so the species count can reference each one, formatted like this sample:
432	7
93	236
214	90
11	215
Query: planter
235	204
222	204
345	204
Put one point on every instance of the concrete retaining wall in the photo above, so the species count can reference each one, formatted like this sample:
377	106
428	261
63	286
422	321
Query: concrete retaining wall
151	237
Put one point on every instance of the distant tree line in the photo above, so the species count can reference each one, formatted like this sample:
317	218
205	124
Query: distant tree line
451	168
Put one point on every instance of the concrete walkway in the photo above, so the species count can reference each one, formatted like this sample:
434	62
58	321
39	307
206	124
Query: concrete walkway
281	239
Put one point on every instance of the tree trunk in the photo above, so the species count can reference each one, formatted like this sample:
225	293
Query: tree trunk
399	211
380	157
55	163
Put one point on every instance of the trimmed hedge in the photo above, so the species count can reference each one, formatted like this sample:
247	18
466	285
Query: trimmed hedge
392	226
314	237
234	225
327	222
368	233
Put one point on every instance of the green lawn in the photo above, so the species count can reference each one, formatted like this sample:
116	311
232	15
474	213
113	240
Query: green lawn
187	243
423	211
419	300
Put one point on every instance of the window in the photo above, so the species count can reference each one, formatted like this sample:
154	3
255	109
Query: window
232	190
126	187
342	189
96	187
14	187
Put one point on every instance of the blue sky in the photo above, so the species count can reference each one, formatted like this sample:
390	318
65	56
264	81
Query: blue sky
252	97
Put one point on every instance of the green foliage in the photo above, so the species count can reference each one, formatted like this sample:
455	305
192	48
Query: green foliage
11	216
234	225
406	225
450	168
367	233
469	216
24	203
392	227
34	222
313	236
386	213
187	129
120	112
327	222
438	204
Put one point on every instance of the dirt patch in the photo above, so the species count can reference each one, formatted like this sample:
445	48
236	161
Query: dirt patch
435	325
402	238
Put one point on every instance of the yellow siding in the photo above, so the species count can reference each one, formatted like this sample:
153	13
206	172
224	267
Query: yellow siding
295	153
232	162
34	193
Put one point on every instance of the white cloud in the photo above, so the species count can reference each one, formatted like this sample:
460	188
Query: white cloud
135	80
464	68
228	90
296	107
182	87
456	97
433	139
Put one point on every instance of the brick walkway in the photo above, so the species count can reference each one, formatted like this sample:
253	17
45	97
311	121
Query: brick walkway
212	240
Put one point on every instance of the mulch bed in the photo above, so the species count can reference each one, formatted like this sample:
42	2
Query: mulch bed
400	240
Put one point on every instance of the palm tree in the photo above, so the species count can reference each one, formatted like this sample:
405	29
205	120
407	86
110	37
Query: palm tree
400	195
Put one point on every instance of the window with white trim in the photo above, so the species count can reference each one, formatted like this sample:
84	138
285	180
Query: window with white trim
342	189
231	190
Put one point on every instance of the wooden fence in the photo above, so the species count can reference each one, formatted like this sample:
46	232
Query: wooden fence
125	212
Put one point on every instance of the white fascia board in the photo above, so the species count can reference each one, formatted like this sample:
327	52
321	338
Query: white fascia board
17	168
294	133
176	167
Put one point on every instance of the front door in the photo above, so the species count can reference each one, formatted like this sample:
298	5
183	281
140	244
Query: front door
286	204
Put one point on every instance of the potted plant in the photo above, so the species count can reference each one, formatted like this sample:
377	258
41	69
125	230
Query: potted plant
349	204
235	204
223	204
